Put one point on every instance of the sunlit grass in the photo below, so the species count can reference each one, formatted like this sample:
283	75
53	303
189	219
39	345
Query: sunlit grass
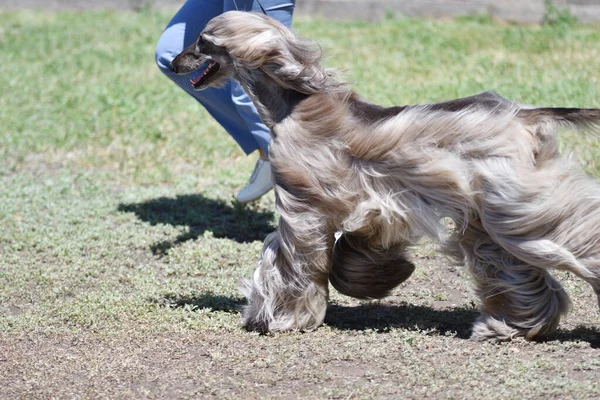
117	225
84	85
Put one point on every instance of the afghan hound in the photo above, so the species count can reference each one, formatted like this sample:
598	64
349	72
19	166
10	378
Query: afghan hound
386	177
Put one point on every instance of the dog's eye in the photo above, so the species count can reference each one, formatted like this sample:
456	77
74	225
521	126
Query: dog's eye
200	43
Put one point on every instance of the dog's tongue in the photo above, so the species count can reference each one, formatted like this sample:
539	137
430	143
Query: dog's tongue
196	80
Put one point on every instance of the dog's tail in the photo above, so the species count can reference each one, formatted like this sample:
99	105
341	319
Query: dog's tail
580	118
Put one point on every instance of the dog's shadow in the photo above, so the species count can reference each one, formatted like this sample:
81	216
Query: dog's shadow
456	321
199	214
202	301
579	334
382	318
378	317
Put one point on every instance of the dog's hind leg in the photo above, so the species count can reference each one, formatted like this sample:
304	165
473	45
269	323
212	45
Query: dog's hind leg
539	219
517	299
561	231
363	270
289	289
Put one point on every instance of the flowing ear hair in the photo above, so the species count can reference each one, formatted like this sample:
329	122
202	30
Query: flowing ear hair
295	63
257	42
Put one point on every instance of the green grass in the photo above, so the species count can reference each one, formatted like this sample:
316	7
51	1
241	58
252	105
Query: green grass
121	248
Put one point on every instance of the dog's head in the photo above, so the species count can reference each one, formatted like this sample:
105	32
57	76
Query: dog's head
237	42
231	40
217	62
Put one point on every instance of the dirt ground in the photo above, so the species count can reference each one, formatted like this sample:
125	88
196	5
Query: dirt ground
413	344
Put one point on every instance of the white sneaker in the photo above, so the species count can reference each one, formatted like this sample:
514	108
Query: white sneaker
260	182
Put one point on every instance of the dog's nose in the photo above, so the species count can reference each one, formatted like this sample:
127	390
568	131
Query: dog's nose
171	67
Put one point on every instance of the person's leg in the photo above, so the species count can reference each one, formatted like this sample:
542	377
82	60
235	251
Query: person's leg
182	31
282	11
230	105
260	181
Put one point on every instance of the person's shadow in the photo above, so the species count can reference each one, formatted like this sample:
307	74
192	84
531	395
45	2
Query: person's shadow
200	214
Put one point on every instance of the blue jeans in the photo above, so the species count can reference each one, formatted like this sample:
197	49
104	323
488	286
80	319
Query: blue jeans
229	105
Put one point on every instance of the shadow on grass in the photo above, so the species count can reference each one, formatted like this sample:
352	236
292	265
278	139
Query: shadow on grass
384	317
579	334
203	301
201	214
379	317
458	321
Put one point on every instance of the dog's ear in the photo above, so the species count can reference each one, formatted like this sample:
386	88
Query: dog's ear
289	73
296	65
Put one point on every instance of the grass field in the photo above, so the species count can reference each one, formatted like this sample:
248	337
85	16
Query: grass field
121	246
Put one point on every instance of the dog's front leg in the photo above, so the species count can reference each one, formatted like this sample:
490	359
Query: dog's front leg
289	289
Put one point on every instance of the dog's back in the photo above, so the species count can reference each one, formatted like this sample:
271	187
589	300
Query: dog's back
384	177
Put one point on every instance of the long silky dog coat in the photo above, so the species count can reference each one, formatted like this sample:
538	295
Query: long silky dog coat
385	177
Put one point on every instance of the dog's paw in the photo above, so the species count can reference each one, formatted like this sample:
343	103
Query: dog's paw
488	328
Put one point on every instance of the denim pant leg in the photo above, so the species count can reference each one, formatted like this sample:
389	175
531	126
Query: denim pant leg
281	10
182	31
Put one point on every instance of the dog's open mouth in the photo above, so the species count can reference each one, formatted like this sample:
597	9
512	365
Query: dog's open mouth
211	69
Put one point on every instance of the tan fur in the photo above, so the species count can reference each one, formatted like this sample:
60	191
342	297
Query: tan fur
384	178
